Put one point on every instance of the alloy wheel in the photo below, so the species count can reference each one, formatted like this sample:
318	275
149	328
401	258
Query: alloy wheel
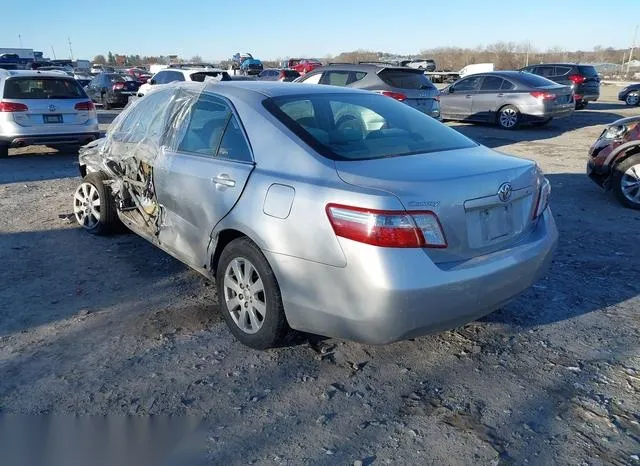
633	98
508	118
630	184
244	295
86	205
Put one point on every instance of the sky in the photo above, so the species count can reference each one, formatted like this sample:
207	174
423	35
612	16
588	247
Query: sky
216	29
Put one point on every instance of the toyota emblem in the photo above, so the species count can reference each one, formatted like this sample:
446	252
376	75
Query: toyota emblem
52	108
504	192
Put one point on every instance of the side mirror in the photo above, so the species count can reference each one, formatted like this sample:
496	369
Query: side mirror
151	81
451	89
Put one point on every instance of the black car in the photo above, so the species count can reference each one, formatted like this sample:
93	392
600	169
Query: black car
630	95
278	74
111	90
583	79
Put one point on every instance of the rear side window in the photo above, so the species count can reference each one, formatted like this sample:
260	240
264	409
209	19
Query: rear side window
533	80
337	78
405	79
507	85
233	144
562	70
208	119
491	83
546	71
588	71
42	88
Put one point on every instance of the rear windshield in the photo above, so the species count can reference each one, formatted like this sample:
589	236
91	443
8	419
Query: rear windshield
405	79
291	73
589	71
363	126
115	78
42	88
533	80
201	75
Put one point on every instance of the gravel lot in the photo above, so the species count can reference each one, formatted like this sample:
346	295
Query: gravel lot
112	325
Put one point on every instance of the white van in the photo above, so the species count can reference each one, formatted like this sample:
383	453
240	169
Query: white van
476	68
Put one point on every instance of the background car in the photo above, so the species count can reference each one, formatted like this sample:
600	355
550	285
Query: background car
305	65
404	84
405	211
140	75
44	108
278	74
97	69
111	90
583	79
428	64
614	161
506	98
630	95
251	66
170	75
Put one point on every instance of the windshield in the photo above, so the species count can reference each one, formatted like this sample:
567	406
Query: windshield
363	126
406	79
42	88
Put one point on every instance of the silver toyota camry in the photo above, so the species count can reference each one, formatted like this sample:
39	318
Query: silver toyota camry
327	210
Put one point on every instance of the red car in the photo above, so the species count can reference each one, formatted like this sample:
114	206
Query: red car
306	64
138	74
614	160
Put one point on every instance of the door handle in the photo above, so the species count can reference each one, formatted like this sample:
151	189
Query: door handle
500	95
468	96
224	180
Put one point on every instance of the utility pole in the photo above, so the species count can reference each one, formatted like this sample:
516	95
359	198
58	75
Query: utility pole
20	40
633	46
54	53
70	49
527	59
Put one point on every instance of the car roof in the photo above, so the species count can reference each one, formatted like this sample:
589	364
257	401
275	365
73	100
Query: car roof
33	73
504	74
363	67
274	88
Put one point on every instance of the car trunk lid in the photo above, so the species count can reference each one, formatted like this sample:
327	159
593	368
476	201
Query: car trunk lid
462	188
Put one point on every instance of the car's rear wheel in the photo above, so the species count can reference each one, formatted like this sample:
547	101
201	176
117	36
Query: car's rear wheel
632	99
94	206
508	117
4	151
105	102
249	296
626	182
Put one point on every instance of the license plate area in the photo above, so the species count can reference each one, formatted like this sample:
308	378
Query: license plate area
48	119
497	222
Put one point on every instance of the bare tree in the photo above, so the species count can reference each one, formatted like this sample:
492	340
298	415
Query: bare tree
100	59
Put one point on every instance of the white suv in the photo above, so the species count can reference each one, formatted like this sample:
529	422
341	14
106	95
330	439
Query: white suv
170	75
48	108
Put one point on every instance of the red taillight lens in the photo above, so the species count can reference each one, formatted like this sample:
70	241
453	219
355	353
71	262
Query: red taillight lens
577	96
118	86
543	95
85	106
13	107
543	198
391	229
394	95
577	78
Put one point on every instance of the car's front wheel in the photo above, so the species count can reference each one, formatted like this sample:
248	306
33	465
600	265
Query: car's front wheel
508	117
249	296
94	206
626	182
632	99
4	151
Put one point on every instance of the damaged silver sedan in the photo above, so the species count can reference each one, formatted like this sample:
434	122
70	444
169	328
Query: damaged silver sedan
328	210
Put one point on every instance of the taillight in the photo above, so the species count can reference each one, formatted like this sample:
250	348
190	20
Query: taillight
85	106
13	107
577	78
394	95
543	198
541	95
118	86
391	229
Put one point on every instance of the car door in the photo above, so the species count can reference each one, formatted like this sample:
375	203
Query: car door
200	179
457	102
488	99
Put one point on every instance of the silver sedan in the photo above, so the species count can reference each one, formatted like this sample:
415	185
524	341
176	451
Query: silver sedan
328	210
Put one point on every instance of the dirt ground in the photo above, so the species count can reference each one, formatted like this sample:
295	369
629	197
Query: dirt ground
96	326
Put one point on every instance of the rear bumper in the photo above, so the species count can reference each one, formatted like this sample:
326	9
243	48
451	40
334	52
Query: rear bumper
49	139
384	295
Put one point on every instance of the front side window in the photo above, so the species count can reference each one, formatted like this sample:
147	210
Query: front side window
468	84
42	88
208	118
349	126
160	78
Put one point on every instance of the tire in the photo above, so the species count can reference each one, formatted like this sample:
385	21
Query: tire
105	102
238	255
102	219
623	182
4	152
632	99
508	117
541	123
